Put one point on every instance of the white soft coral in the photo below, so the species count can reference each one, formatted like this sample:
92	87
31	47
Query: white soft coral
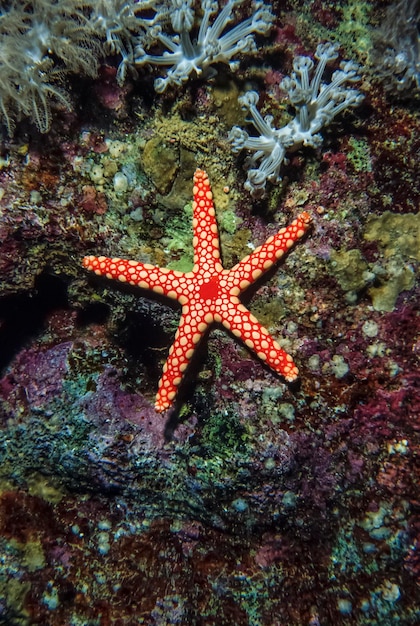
316	104
214	42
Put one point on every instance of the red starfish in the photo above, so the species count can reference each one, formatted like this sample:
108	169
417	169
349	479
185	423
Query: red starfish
209	293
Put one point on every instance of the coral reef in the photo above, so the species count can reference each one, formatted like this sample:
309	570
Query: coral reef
254	501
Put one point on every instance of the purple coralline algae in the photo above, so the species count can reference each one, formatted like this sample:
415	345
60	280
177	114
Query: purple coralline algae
256	502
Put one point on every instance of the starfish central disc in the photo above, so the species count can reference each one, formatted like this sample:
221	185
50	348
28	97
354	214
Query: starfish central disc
209	290
209	293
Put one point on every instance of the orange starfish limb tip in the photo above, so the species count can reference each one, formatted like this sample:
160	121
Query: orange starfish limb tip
209	293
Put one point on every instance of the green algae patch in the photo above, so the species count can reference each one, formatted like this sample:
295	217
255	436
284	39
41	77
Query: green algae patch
13	593
160	161
33	557
385	296
397	235
359	155
44	487
224	438
398	238
354	30
350	269
225	99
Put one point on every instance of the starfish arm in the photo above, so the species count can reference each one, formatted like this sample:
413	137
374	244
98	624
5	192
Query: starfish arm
206	234
160	280
246	327
208	293
263	257
191	329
